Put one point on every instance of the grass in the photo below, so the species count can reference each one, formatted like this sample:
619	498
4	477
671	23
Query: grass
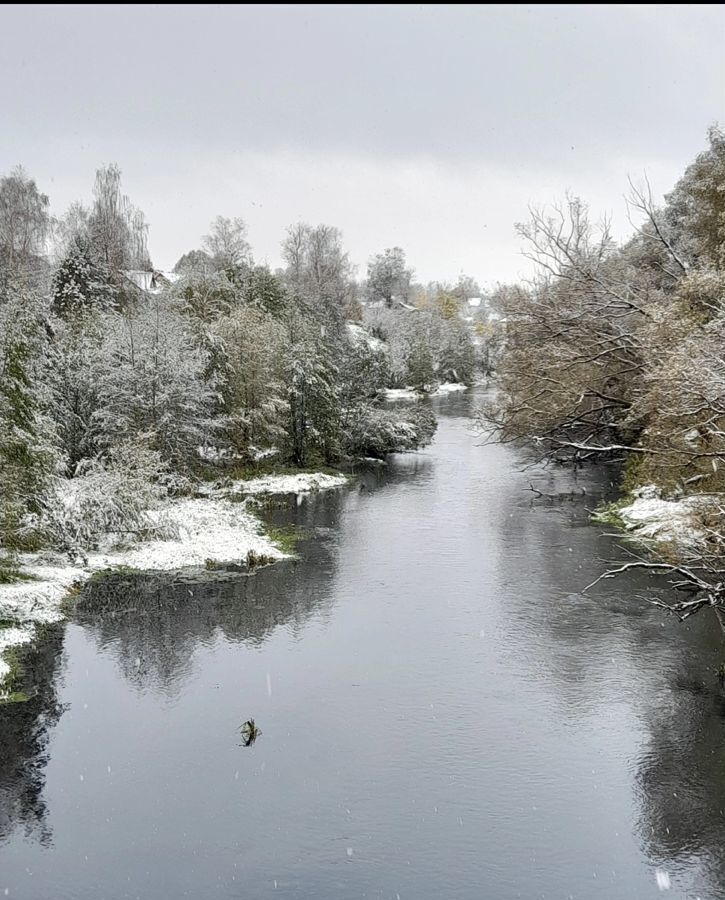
13	576
68	602
14	697
102	574
286	537
254	559
11	685
610	514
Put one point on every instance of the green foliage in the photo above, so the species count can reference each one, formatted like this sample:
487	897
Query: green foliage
286	538
609	514
28	458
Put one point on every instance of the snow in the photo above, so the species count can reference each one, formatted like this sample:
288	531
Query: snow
13	637
259	455
302	483
449	387
361	335
674	521
401	394
213	529
409	393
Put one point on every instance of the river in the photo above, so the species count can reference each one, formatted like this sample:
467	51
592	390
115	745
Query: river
443	713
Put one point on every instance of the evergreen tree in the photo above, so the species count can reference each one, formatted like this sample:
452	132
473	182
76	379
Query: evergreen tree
27	454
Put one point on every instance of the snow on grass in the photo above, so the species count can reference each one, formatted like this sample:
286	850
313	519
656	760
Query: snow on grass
300	483
672	521
401	394
449	387
209	529
409	393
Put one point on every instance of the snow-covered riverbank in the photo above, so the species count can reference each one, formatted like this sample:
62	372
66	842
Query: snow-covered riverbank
679	523
409	393
211	529
299	483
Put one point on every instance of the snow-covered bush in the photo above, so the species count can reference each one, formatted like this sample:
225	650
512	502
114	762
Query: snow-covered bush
109	501
376	432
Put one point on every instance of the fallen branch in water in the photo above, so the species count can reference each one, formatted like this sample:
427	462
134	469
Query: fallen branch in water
710	590
570	495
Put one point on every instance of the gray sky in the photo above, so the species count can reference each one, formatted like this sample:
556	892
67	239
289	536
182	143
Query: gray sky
426	127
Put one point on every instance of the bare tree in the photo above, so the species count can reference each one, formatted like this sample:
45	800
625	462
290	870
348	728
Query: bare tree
227	243
24	219
117	230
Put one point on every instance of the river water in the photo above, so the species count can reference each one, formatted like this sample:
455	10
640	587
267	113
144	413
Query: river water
443	713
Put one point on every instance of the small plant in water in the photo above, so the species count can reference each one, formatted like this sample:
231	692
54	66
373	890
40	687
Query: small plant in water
250	732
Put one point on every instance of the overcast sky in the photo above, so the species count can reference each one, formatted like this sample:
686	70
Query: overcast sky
426	127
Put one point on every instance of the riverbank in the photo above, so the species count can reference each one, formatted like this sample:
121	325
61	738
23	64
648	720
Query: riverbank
214	528
411	393
677	525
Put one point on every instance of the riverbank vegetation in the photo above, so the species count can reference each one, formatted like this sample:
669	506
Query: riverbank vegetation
616	351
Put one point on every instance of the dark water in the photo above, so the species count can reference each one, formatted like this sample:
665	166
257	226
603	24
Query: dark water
444	715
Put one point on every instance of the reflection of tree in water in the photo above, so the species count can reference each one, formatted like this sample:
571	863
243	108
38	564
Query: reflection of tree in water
24	736
664	671
558	552
153	624
681	775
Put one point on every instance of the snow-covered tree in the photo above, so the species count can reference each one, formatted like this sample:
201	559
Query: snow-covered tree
196	261
375	432
79	282
28	457
153	383
318	272
313	395
389	277
108	502
456	357
78	362
250	369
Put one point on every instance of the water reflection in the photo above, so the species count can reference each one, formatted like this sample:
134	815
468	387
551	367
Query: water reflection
679	775
153	625
24	737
